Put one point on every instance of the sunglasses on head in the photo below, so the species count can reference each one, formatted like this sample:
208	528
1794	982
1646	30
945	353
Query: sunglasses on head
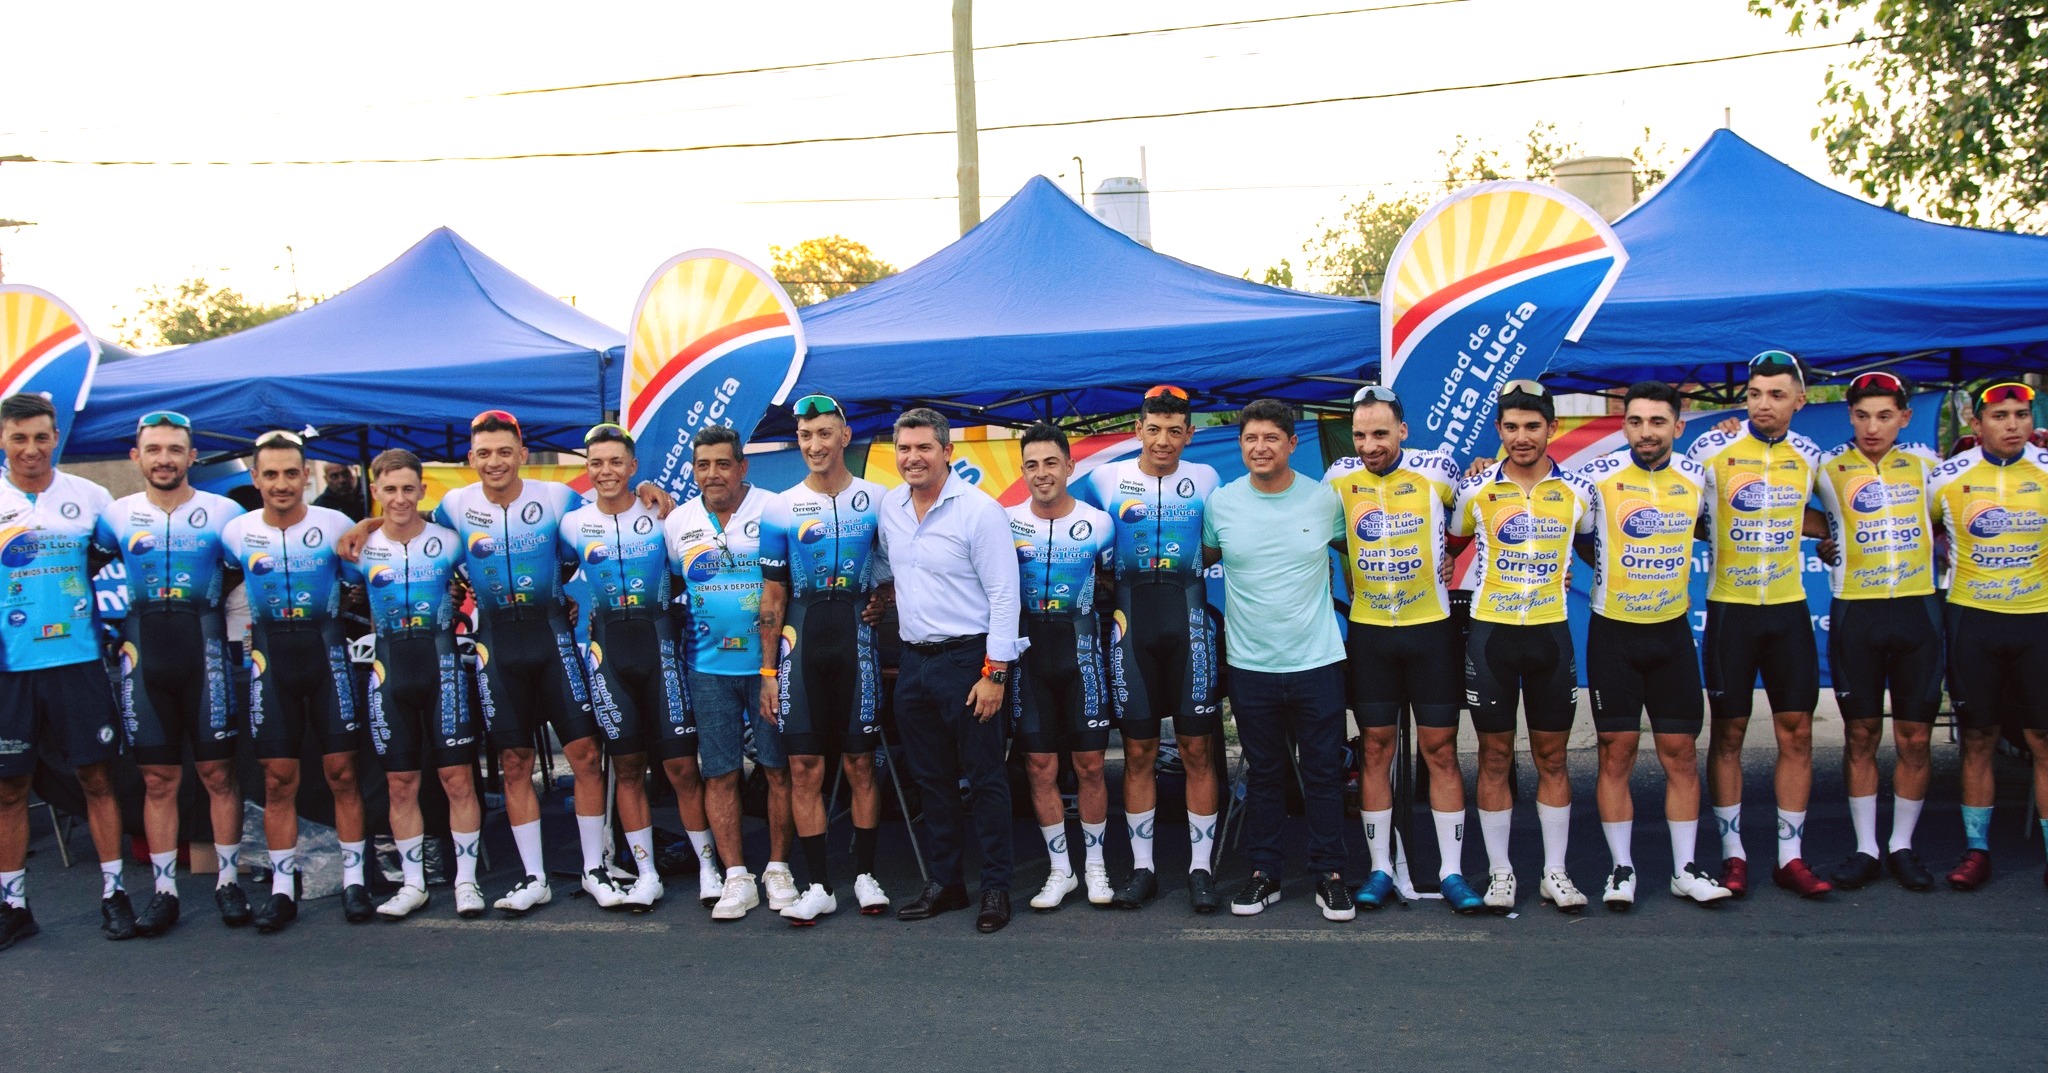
494	415
1167	389
160	418
1523	387
817	406
607	433
2007	391
1777	363
280	436
1878	381
1374	393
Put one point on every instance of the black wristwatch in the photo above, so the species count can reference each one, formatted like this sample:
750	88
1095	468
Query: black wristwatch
999	677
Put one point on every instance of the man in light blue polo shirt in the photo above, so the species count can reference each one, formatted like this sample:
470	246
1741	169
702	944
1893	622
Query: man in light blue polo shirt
1271	529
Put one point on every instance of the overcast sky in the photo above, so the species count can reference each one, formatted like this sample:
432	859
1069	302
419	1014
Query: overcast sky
245	81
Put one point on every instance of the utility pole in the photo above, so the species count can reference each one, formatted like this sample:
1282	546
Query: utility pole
292	259
966	129
15	158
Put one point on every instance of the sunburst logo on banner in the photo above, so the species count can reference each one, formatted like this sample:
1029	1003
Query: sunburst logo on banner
45	349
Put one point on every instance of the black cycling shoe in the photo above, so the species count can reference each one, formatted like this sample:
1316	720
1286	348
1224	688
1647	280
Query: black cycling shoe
1142	888
233	904
1908	870
276	913
117	917
158	916
355	903
1202	891
1859	869
16	924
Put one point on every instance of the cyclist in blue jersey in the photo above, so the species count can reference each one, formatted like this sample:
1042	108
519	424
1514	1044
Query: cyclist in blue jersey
54	694
823	690
419	703
1162	658
635	681
1059	699
301	685
174	675
714	549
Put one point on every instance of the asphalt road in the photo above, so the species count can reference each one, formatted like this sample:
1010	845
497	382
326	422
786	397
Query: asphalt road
1877	979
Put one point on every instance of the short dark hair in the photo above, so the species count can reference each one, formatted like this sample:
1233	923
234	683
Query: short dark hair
1654	391
1271	411
396	458
1903	396
1400	414
1523	400
1045	433
26	407
488	423
713	435
924	417
1165	402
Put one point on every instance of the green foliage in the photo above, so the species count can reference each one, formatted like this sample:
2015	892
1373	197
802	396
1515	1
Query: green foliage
192	311
820	268
1943	109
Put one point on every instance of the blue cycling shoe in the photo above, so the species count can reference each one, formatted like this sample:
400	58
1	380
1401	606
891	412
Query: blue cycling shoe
1460	895
1374	893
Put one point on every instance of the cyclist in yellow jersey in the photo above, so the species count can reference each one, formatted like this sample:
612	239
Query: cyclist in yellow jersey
1401	647
1884	626
1521	512
1640	654
1759	479
1993	500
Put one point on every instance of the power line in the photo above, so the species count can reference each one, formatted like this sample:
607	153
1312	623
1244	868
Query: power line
1046	124
813	65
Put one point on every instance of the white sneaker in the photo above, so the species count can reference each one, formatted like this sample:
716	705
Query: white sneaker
531	893
740	894
873	900
814	903
1557	889
1500	890
603	889
710	883
400	905
469	900
1620	892
1699	886
782	892
645	891
1096	873
1057	886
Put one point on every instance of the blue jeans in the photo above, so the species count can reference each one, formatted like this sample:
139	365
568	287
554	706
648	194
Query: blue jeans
945	741
1309	705
723	703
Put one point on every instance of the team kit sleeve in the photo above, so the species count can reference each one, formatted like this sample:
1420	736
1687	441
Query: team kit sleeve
774	553
1464	504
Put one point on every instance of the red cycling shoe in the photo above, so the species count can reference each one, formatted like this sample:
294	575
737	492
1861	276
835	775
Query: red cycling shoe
1796	877
1973	871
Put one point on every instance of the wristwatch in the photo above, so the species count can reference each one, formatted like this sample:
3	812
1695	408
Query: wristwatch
998	675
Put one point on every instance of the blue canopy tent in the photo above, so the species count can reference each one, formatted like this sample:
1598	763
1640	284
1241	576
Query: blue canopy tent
1738	253
1045	313
403	359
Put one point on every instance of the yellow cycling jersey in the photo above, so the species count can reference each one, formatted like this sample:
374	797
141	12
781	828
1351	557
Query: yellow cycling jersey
1757	491
1996	514
1641	521
1523	542
1394	536
1878	518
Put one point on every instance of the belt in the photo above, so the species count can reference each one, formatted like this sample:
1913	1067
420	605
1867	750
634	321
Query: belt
949	644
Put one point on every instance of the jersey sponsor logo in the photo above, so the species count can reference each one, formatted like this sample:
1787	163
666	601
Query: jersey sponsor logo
261	563
1750	493
1117	625
18	546
644	524
700	562
1131	510
811	532
860	501
530	513
596	552
1521	527
313	538
1185	489
1989	521
382	576
1641	521
1868	495
17	617
433	546
481	546
199	518
69	510
752	530
1080	530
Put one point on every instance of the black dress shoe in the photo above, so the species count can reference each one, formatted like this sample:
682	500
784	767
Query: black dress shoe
995	912
936	898
1908	870
355	903
279	911
1202	891
1859	869
1142	888
16	923
117	917
158	916
233	904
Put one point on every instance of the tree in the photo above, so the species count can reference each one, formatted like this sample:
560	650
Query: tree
1350	256
820	268
192	311
1944	108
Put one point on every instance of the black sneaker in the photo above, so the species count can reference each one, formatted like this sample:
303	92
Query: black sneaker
16	924
158	916
279	911
117	917
1908	870
1202	891
1333	897
1859	869
356	904
233	904
1258	892
1143	887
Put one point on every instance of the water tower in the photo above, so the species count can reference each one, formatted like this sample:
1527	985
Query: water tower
1123	203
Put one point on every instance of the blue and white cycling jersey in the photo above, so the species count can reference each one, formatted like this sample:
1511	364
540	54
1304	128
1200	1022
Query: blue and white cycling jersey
46	611
1158	520
513	553
1057	558
821	544
624	557
720	568
174	559
293	574
407	581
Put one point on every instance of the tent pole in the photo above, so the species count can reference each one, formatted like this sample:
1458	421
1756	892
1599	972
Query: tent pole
363	452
